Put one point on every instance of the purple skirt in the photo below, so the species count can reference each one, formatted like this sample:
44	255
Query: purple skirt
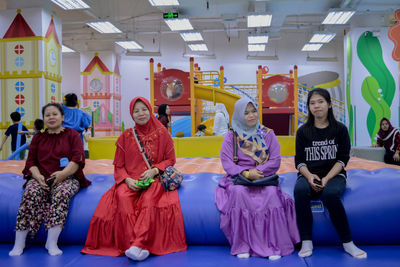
260	221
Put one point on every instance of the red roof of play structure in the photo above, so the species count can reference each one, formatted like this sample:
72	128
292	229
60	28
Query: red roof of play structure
19	28
52	30
96	60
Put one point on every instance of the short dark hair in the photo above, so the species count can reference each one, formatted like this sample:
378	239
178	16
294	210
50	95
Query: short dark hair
201	127
15	116
71	100
39	124
58	106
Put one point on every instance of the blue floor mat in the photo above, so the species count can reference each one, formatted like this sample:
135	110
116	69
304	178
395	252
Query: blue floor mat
378	256
202	256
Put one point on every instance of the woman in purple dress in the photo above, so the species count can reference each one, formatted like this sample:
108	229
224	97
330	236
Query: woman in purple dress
257	220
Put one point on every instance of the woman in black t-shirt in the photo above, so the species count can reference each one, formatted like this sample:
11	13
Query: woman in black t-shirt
322	152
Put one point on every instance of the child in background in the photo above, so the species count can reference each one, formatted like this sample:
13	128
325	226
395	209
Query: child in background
87	133
13	130
201	130
37	128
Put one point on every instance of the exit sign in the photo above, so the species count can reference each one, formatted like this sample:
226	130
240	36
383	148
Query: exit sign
170	15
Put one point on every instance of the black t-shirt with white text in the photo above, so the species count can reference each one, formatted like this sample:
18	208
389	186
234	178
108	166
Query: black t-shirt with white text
325	148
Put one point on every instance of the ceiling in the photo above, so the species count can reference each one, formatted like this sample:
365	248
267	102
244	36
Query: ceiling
138	18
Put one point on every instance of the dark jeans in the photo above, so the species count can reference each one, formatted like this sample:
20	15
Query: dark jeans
330	196
389	158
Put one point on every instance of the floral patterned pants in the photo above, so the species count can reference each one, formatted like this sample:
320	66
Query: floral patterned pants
38	203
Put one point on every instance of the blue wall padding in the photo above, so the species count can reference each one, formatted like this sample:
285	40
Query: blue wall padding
372	202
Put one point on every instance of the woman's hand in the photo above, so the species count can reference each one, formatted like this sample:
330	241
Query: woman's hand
59	177
149	174
255	174
396	156
42	181
132	184
314	186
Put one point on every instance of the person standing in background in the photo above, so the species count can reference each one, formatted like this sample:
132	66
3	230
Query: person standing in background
163	115
221	120
74	117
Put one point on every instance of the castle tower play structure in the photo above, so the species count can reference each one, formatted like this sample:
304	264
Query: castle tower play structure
30	69
102	93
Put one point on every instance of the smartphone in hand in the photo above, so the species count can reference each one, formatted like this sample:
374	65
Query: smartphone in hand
317	182
50	181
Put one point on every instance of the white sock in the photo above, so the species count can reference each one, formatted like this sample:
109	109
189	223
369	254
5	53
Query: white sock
274	257
137	254
19	245
243	255
306	248
52	239
354	251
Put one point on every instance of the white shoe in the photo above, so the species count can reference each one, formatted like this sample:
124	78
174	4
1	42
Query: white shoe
274	257
243	255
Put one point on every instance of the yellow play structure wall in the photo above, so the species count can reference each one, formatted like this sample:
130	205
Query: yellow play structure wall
206	146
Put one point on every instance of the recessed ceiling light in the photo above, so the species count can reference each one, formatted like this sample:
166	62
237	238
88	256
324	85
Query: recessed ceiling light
311	47
257	39
104	27
179	24
338	17
259	20
198	47
71	4
66	49
129	45
322	37
191	36
256	47
164	2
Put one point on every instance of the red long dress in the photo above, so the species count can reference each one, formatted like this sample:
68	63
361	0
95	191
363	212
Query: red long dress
150	219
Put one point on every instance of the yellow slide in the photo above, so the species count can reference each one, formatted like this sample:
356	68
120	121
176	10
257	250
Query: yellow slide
217	95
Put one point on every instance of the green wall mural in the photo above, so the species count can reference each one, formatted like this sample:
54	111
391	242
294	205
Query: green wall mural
378	89
348	89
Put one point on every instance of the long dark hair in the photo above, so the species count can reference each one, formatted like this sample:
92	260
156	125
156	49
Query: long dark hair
162	109
309	127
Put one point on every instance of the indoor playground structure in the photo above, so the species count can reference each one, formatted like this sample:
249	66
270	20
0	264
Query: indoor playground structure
195	93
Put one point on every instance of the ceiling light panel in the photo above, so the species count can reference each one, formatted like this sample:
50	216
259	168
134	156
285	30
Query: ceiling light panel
257	39
129	45
311	47
66	49
322	37
179	24
71	4
191	36
164	2
104	27
256	47
338	17
198	47
259	20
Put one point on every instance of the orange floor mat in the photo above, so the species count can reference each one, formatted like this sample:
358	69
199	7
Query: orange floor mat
195	165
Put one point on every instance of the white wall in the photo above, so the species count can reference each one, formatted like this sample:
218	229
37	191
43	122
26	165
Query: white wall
232	55
71	79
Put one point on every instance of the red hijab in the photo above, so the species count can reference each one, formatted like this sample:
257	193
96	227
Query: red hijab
387	137
155	138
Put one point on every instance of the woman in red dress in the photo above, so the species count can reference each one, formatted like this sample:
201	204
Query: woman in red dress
130	220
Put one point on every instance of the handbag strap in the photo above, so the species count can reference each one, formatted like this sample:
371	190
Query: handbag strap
142	150
235	157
